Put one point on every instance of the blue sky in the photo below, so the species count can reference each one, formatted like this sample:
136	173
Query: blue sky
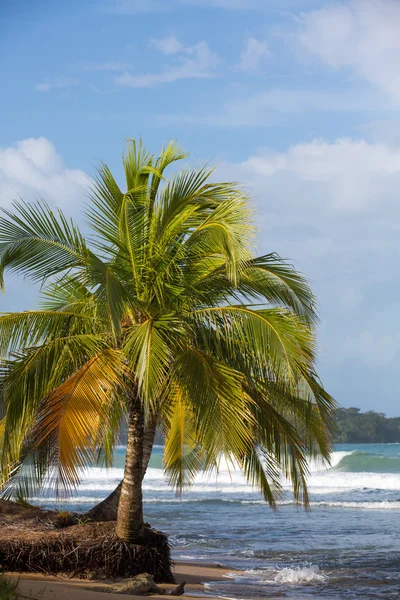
300	100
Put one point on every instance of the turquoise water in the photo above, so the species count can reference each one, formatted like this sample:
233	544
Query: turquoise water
346	547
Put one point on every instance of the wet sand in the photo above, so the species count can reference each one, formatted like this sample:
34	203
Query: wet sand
41	587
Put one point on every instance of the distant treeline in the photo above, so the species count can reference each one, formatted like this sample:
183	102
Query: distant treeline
354	427
369	427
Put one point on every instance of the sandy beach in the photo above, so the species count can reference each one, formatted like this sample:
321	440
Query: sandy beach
40	587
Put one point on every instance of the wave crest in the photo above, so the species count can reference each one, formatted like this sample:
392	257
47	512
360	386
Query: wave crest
298	575
363	462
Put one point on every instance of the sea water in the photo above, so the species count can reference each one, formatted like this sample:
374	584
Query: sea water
347	546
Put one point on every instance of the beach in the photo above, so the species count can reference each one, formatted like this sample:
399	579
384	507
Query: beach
42	587
199	299
346	546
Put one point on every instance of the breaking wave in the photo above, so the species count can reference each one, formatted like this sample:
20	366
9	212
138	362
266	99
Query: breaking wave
363	462
302	575
370	481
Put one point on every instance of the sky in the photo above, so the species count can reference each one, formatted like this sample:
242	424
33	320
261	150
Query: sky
297	99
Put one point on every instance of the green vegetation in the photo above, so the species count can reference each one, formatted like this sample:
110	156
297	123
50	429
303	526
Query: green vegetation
8	588
164	316
366	428
353	426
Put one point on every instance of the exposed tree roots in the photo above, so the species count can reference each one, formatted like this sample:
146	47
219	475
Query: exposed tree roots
90	550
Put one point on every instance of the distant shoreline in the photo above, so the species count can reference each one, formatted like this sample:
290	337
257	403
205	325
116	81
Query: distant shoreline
371	427
353	427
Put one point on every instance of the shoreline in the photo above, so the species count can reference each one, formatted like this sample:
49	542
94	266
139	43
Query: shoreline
35	586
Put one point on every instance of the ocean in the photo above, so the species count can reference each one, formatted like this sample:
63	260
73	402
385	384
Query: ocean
347	546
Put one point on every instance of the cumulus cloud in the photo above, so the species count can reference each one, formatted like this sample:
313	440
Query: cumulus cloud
362	36
253	53
356	172
335	208
32	169
193	62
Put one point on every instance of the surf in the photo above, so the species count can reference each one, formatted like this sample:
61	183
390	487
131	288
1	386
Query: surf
364	462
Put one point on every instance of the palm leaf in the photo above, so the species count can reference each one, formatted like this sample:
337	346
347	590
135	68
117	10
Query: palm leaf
70	417
34	242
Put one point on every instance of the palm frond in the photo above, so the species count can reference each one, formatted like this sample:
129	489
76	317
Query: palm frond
272	279
182	452
30	328
38	243
70	417
274	337
215	396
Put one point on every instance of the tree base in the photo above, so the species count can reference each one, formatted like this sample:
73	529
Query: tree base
89	550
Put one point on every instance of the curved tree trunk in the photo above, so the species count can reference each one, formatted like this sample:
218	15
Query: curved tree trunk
130	524
107	509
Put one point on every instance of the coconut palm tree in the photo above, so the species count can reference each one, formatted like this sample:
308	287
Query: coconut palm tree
162	315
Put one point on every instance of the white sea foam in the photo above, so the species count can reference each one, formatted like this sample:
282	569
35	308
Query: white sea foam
320	482
337	456
383	505
102	473
379	505
363	490
299	575
302	574
337	481
89	500
65	500
316	465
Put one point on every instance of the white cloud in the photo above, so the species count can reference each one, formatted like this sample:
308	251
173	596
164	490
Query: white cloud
57	84
253	53
270	108
33	169
241	5
106	66
355	171
194	62
256	109
43	87
334	207
133	7
168	45
362	36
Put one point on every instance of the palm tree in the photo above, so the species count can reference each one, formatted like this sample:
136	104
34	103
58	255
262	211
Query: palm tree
165	316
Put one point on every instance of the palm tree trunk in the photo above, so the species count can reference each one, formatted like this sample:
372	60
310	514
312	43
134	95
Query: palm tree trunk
130	523
107	510
148	441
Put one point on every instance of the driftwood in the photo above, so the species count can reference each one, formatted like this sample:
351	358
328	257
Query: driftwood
179	590
141	585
